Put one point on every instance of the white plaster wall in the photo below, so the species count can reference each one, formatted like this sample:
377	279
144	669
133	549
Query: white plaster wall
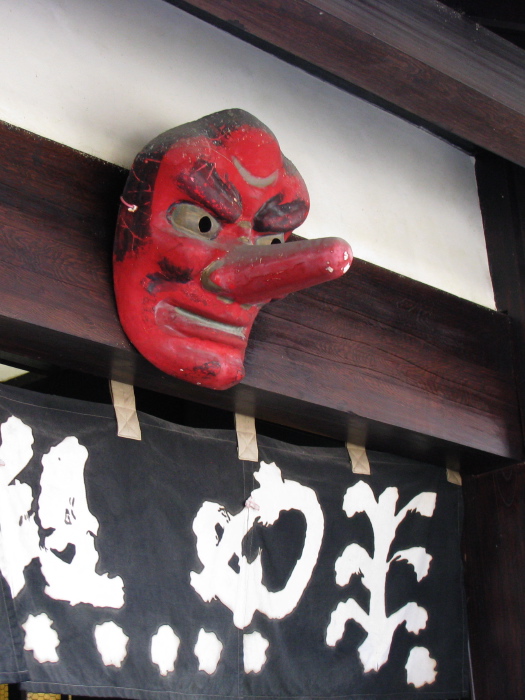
105	76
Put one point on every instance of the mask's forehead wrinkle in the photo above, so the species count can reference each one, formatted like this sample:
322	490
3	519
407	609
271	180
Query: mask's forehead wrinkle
252	179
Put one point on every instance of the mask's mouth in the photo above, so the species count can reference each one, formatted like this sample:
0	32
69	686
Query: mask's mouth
189	323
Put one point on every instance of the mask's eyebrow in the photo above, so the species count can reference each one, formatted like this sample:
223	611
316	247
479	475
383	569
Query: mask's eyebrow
274	217
205	186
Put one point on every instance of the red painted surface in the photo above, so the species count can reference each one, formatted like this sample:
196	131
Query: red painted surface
201	245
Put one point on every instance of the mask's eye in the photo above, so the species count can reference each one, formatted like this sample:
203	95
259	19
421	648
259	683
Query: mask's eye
191	219
270	240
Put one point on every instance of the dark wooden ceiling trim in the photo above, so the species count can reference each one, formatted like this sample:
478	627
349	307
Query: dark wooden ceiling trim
501	187
417	55
373	354
494	555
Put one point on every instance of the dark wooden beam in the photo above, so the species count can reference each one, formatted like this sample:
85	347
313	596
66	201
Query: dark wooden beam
373	355
501	187
510	12
506	19
494	543
418	56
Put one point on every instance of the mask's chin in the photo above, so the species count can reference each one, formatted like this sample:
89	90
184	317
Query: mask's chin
204	363
215	360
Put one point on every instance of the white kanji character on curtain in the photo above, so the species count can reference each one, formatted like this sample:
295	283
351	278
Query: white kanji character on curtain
63	507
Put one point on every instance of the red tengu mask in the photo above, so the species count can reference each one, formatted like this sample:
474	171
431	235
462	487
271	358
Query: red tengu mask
196	252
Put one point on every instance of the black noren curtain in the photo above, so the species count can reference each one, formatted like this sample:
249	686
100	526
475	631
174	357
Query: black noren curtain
168	568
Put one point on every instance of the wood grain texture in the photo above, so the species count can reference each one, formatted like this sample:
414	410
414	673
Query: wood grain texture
373	355
418	55
494	544
501	187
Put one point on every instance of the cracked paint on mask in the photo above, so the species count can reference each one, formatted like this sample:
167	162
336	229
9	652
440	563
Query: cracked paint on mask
195	255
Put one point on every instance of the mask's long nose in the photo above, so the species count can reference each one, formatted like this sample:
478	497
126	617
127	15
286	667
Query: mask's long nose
255	274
